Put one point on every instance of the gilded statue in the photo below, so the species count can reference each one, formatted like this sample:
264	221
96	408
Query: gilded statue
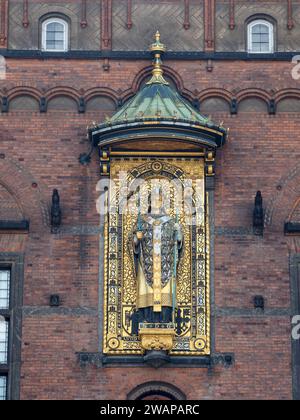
157	249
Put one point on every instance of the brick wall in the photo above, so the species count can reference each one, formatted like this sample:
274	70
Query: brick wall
39	152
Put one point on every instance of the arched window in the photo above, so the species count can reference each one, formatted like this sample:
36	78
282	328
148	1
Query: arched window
55	35
156	391
260	37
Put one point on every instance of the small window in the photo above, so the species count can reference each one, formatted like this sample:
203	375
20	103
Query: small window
260	37
3	387
55	35
5	317
4	289
3	341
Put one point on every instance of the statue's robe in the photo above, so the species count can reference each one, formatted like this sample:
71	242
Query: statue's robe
154	266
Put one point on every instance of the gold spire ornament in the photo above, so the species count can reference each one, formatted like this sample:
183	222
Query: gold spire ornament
158	49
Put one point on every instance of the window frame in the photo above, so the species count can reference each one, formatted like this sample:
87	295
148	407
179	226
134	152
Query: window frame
295	298
6	313
270	26
45	24
14	262
5	375
4	267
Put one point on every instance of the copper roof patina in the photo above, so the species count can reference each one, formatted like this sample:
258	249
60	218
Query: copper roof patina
161	104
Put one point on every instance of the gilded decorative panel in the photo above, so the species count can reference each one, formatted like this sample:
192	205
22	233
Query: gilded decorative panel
182	182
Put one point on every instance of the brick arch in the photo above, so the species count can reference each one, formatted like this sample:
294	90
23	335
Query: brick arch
105	92
24	103
10	208
288	100
253	93
63	91
62	103
57	14
60	94
260	16
280	207
156	389
147	71
294	215
215	93
212	105
19	184
287	94
101	103
253	104
24	91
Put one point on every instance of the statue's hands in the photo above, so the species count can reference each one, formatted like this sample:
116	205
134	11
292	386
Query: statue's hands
137	238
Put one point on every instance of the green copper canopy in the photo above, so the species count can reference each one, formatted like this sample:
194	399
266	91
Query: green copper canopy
157	100
159	107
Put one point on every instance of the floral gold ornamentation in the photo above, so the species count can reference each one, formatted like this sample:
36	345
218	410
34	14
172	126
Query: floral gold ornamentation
113	343
200	344
157	167
157	339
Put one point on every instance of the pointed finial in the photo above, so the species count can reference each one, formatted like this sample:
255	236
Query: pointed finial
157	37
158	46
157	49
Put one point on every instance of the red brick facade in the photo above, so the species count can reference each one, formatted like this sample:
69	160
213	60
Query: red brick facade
39	152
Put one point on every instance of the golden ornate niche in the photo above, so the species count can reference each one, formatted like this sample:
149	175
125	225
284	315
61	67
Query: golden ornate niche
191	333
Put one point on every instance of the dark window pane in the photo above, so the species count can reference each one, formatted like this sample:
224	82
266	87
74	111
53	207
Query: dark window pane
59	36
256	29
256	38
4	289
59	27
50	45
50	36
256	47
55	26
59	45
55	45
55	36
264	38
51	27
260	38
264	29
265	47
3	341
260	29
3	388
